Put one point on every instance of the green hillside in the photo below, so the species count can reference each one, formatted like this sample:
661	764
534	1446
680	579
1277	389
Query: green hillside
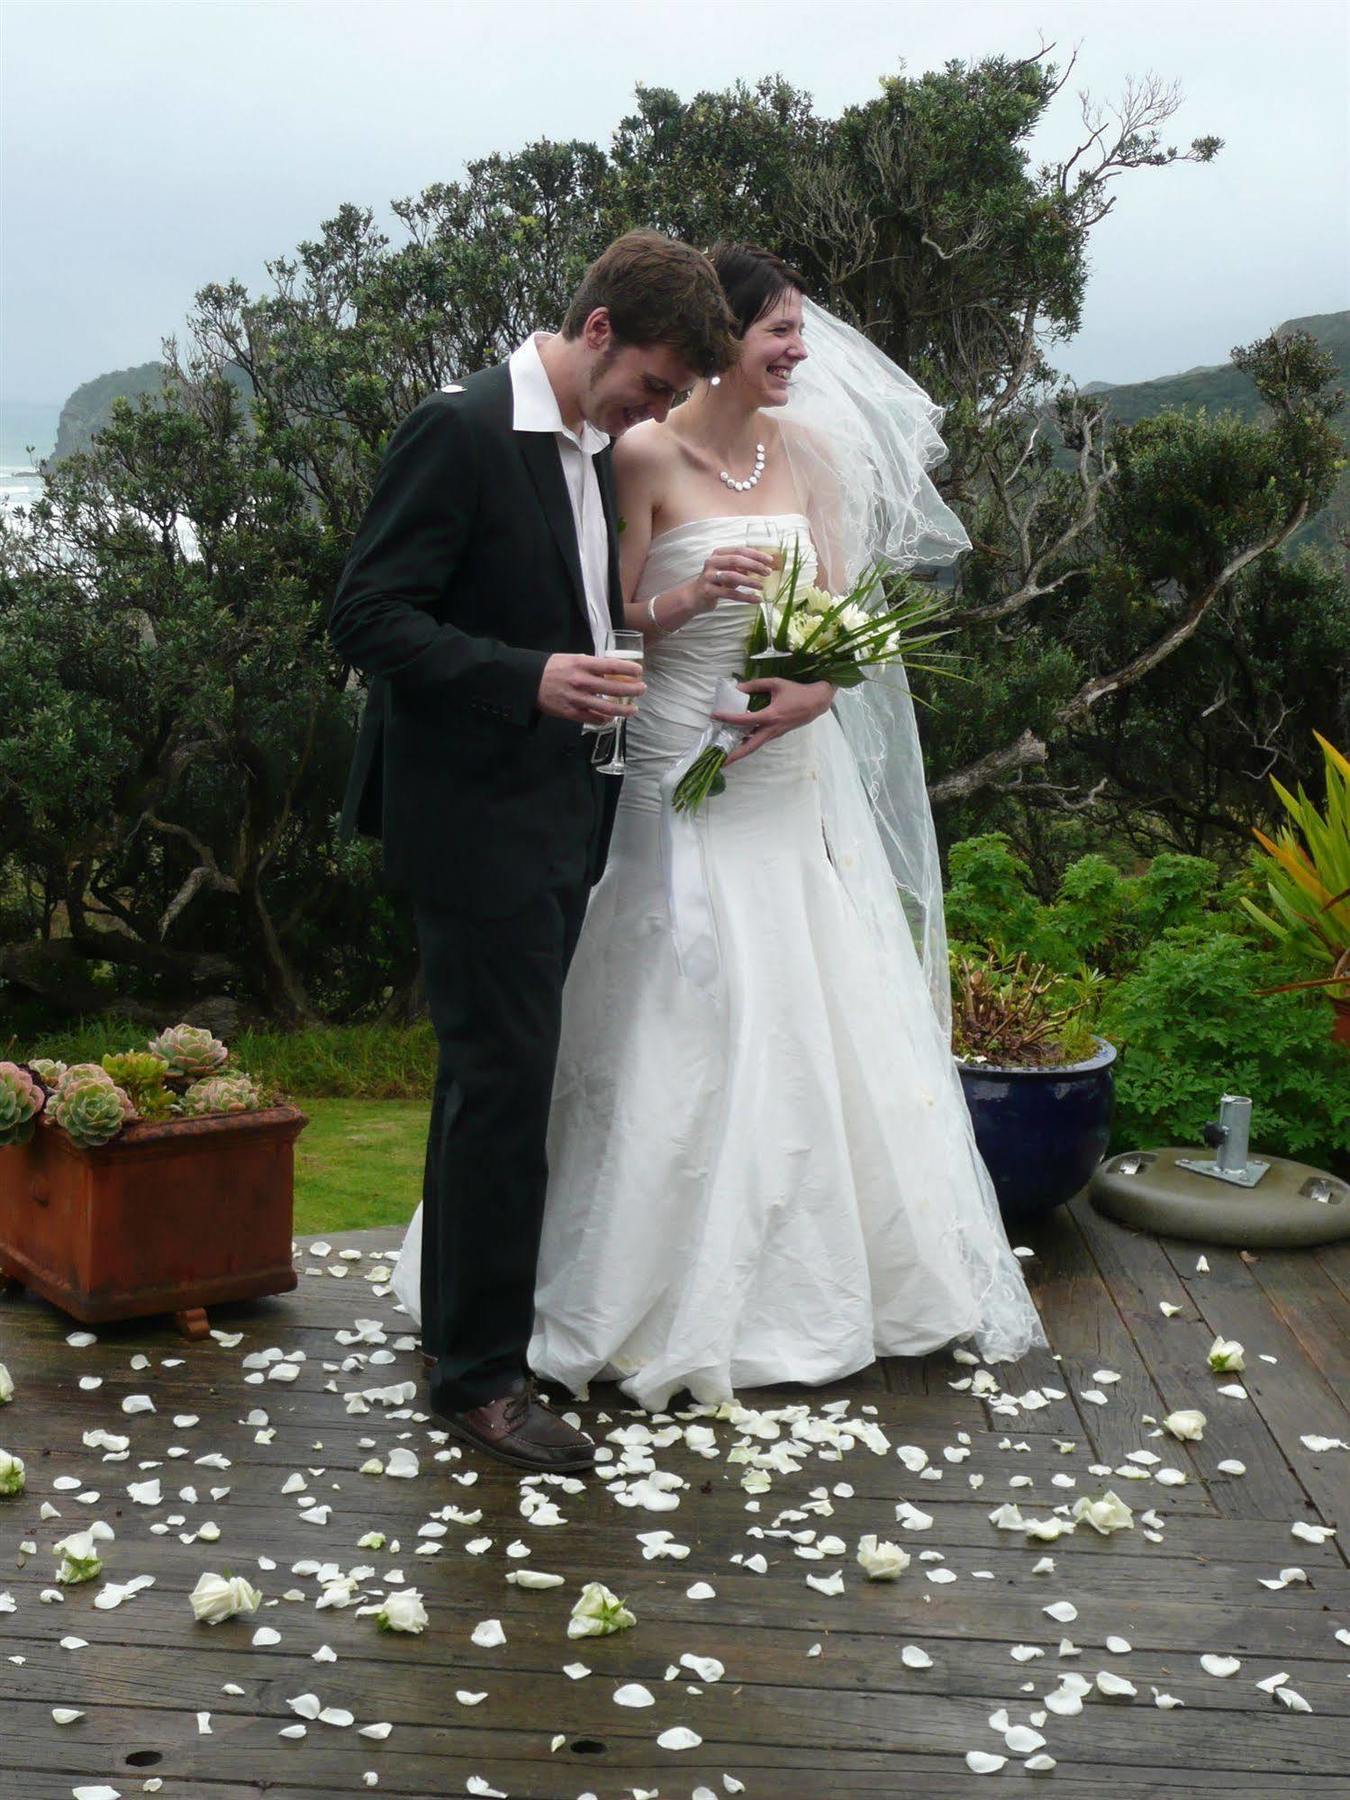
1222	387
89	408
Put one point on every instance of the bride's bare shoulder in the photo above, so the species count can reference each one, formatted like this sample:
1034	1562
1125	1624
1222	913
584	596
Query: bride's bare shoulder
643	451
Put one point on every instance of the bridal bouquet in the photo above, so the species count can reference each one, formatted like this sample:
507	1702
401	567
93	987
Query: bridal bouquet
802	633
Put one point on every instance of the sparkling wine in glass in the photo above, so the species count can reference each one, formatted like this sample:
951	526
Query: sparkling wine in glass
624	646
778	552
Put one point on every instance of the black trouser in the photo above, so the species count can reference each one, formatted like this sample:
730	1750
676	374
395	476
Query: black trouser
494	989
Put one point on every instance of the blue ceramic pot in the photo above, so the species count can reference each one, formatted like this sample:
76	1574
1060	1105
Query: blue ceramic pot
1041	1132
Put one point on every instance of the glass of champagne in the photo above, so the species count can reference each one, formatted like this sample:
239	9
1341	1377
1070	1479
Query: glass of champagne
779	555
624	646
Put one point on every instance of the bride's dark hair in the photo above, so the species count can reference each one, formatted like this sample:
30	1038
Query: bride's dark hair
752	280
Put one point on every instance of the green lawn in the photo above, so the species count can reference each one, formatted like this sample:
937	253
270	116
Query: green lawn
358	1163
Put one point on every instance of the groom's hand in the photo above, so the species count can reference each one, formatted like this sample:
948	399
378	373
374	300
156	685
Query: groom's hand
791	704
584	688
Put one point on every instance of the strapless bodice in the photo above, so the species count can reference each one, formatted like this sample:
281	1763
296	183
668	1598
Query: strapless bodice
684	666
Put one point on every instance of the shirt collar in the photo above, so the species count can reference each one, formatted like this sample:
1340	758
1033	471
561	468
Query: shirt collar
535	405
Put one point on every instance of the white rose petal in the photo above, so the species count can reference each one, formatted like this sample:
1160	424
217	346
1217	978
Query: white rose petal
881	1561
634	1694
1189	1422
679	1737
378	1732
1311	1534
915	1658
1105	1514
265	1635
1294	1701
488	1634
1061	1611
980	1762
66	1715
1220	1665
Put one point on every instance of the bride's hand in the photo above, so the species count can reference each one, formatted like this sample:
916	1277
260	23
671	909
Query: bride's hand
792	704
726	572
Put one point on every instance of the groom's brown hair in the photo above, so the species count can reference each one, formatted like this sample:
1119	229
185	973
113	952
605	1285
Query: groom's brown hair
659	291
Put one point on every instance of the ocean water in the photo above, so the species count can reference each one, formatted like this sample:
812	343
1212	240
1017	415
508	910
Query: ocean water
27	434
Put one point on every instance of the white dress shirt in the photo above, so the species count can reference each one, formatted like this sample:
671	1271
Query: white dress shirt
535	408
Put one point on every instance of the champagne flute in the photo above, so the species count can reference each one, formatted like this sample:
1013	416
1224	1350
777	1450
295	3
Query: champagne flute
626	646
779	555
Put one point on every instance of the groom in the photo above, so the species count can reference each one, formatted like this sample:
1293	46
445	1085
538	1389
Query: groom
477	597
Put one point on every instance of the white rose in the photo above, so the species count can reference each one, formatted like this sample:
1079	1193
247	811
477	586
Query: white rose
1188	1423
402	1611
218	1597
799	628
80	1560
1106	1513
6	1386
881	1562
1225	1354
11	1473
598	1612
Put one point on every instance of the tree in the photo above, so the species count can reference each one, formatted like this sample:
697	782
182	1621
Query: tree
161	631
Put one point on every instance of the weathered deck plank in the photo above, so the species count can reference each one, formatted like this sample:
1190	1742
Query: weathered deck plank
852	1719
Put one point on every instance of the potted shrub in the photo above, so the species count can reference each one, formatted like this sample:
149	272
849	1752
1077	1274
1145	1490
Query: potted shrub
155	1181
1037	1079
1309	888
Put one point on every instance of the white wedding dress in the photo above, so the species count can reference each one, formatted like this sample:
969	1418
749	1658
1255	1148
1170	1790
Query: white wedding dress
772	1176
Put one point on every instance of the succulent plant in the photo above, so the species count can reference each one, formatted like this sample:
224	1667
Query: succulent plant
91	1111
222	1094
189	1050
21	1100
83	1072
49	1073
142	1074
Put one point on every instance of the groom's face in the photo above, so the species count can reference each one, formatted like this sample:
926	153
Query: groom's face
626	383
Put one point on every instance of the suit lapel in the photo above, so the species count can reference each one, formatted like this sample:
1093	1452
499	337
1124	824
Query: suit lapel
604	470
540	455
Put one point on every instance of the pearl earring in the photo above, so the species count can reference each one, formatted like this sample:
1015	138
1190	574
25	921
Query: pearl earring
715	381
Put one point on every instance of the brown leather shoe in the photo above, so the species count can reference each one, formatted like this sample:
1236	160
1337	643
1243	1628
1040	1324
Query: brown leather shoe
516	1427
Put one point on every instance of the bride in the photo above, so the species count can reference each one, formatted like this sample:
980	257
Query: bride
762	1167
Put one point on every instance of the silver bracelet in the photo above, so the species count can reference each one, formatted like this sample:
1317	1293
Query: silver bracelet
651	611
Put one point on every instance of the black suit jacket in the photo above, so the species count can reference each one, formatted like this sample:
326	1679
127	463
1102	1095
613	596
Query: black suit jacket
464	577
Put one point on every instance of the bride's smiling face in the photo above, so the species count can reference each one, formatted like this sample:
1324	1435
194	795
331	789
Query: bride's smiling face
771	350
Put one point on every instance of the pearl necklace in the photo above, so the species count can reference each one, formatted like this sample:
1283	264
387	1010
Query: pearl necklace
743	487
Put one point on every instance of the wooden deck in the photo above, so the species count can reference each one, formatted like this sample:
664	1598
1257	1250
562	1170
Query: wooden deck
790	1724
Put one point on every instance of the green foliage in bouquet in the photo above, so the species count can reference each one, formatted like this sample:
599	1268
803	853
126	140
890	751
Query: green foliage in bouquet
21	1100
802	633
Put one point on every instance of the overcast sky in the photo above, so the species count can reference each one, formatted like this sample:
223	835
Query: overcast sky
151	146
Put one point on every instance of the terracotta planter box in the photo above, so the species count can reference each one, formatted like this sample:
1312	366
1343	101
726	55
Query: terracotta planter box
168	1217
